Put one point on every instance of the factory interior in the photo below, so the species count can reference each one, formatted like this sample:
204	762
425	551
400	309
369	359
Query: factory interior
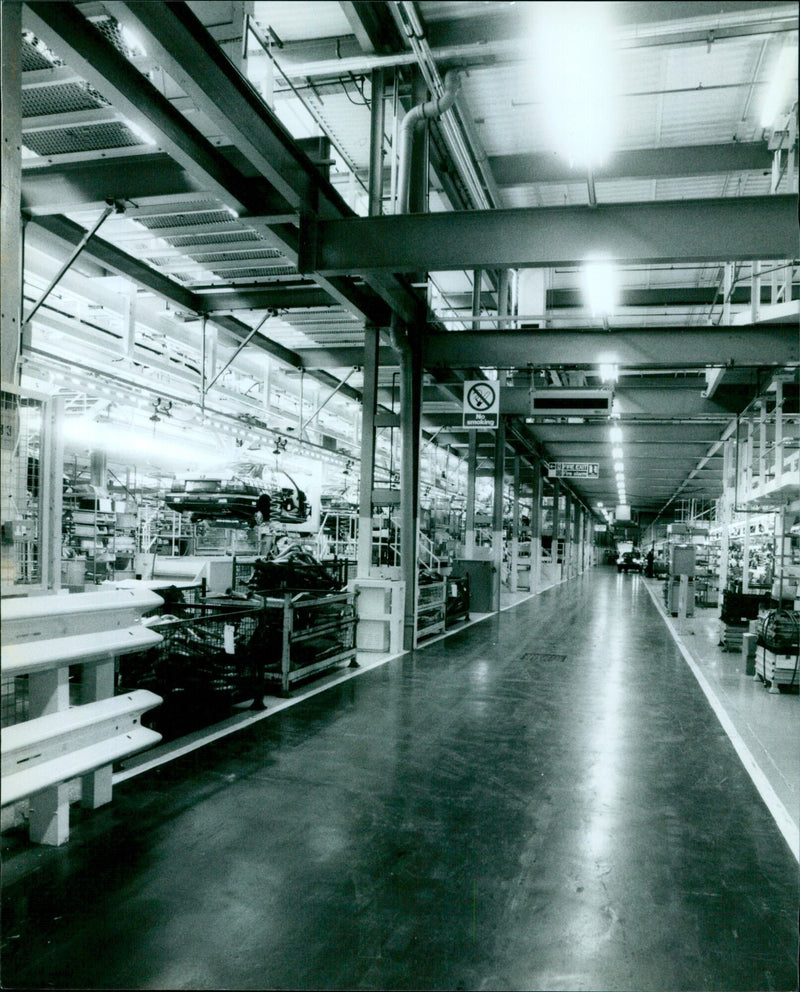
400	506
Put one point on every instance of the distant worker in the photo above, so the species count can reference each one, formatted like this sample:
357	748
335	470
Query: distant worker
648	568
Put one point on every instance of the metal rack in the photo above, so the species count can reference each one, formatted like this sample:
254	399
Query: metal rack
431	609
211	657
309	632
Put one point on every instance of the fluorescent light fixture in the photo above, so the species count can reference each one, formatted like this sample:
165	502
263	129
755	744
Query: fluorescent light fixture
576	83
600	287
131	40
616	451
609	373
122	441
619	466
140	133
780	89
616	435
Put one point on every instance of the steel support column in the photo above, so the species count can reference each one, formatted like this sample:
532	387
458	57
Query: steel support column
368	408
410	414
10	218
536	528
514	557
566	570
497	512
472	471
51	476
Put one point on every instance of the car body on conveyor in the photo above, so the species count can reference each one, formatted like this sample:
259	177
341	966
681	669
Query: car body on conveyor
230	496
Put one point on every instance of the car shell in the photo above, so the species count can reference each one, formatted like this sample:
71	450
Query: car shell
236	498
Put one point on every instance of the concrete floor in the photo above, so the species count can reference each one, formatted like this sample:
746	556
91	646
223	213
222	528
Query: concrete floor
543	800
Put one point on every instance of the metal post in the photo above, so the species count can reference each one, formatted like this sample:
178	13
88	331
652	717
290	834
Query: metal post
203	366
377	123
536	528
727	286
477	277
410	413
755	291
497	512
567	567
11	186
51	493
556	527
368	406
513	577
472	471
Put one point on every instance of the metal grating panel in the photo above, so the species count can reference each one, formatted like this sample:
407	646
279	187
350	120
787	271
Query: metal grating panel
81	139
110	28
182	218
233	237
35	55
235	256
256	273
61	99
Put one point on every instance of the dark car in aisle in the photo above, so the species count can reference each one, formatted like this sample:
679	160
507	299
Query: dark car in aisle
630	561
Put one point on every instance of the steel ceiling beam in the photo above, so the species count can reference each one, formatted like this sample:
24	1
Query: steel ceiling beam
496	36
758	227
641	163
185	50
111	258
195	61
114	260
282	296
660	296
373	26
58	186
664	296
80	44
775	344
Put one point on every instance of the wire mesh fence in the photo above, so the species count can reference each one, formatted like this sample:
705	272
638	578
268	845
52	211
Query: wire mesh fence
20	489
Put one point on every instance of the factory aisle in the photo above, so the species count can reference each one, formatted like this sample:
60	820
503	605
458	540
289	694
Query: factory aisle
544	800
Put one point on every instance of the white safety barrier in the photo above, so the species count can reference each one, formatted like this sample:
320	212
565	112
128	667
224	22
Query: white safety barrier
43	637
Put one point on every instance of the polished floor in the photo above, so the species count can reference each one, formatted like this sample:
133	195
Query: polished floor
543	800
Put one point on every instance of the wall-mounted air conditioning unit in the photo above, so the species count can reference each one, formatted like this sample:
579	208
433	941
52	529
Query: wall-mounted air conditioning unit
571	402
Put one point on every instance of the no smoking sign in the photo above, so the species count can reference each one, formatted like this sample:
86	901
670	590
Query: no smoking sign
481	404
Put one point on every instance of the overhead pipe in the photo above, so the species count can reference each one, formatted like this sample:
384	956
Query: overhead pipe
430	110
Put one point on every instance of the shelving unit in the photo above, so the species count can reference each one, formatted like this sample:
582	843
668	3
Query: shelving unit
338	535
313	631
431	609
99	530
164	532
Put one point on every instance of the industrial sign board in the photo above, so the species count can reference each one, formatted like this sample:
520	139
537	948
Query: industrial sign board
481	404
575	470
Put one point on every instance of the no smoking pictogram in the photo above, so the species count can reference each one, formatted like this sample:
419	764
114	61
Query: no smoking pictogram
481	404
481	397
